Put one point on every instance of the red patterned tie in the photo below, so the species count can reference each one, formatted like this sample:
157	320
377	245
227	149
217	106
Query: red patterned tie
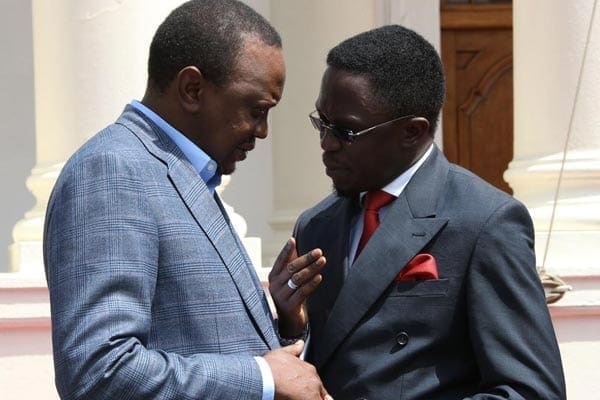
373	202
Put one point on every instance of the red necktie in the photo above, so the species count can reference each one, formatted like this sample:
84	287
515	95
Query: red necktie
373	202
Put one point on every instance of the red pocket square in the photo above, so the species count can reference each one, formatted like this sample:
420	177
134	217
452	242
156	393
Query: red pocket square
422	267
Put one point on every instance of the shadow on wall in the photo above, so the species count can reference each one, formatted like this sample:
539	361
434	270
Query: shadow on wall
17	118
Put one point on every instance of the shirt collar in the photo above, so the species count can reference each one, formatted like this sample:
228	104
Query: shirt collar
202	163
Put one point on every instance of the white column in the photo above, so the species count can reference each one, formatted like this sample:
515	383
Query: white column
89	61
557	92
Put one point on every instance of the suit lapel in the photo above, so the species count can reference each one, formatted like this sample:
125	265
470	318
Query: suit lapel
256	299
209	216
330	231
409	225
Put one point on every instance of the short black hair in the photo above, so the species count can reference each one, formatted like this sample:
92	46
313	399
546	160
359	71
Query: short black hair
404	69
207	34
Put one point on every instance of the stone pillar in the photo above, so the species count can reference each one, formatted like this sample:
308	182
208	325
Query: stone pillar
89	61
557	92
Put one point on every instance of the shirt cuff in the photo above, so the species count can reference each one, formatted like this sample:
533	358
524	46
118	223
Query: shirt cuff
267	379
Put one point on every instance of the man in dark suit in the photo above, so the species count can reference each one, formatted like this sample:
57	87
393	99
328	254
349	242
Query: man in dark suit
152	293
430	289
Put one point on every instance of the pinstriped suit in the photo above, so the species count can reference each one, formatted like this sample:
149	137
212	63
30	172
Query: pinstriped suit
152	294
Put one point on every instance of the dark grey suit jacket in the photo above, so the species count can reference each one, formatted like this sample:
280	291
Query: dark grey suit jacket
481	331
152	293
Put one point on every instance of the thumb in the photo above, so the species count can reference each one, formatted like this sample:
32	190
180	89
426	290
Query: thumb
286	254
294	349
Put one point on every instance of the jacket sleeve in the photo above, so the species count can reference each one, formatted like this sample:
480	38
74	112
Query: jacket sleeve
509	323
101	257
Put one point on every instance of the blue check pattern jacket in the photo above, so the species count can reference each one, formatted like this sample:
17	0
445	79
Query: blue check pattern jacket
152	294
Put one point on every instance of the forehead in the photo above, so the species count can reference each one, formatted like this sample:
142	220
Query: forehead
343	92
259	66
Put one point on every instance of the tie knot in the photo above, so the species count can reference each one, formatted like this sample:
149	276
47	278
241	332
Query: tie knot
377	199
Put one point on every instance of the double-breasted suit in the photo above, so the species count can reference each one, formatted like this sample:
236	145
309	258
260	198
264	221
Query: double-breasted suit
152	293
482	330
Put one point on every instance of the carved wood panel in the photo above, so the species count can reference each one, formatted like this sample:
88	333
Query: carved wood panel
478	113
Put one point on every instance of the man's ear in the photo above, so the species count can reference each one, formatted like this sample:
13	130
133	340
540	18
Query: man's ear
415	131
190	84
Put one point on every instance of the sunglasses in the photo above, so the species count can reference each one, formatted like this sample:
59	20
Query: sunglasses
345	134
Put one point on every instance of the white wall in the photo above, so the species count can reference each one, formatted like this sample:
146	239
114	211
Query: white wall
17	127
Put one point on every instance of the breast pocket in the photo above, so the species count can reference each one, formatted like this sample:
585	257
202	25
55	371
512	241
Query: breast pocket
427	288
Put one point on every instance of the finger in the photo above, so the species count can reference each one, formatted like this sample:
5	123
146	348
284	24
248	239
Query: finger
300	295
302	262
307	273
285	255
294	349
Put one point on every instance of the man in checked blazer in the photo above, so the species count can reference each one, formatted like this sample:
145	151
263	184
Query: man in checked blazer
443	302
152	293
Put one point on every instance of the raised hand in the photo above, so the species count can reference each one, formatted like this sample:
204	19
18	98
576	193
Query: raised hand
291	281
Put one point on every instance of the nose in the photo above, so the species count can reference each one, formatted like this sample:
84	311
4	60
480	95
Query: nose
262	129
329	142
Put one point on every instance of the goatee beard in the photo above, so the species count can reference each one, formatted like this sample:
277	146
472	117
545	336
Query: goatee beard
343	193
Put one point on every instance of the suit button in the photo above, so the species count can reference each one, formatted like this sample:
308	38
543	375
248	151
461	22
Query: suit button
402	339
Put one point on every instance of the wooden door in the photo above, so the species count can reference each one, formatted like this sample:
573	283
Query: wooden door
478	113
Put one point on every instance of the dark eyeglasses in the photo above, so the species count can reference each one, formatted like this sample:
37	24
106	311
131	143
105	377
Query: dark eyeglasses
345	134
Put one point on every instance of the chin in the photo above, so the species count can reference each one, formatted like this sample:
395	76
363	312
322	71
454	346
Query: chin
341	192
226	169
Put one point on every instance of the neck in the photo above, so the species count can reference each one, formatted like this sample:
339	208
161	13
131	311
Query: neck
165	108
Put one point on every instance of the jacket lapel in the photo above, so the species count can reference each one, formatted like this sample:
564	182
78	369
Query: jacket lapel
409	225
254	296
330	230
210	217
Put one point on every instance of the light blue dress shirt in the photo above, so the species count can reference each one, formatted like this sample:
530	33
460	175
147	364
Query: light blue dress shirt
207	168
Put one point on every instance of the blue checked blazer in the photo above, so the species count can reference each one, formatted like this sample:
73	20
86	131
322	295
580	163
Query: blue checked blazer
152	294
